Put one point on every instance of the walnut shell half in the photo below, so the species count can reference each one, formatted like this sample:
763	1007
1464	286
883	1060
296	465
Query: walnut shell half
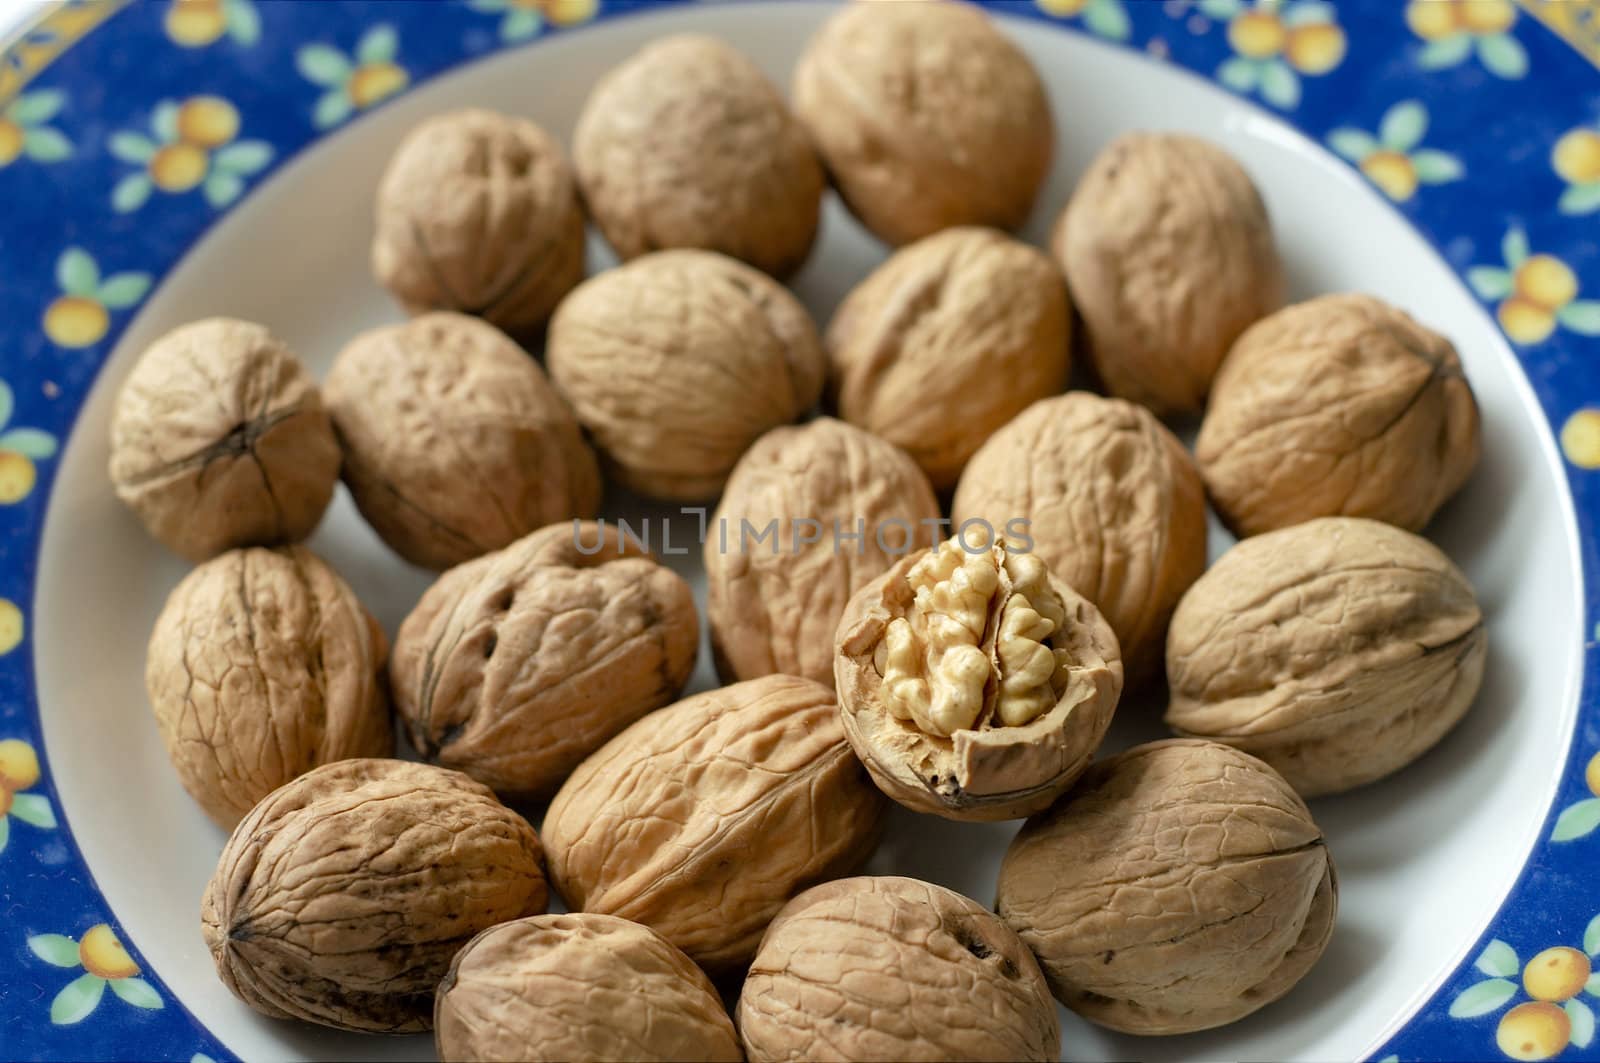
219	439
868	969
974	684
1180	886
517	665
1114	506
575	987
701	820
262	666
1338	651
774	606
342	897
1340	406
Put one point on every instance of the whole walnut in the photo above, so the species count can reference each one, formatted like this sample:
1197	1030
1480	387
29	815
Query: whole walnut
1114	505
678	361
687	144
552	988
892	969
1169	254
926	116
1180	886
262	666
517	665
702	820
342	897
1340	406
973	683
219	439
947	341
478	212
455	443
1338	651
774	606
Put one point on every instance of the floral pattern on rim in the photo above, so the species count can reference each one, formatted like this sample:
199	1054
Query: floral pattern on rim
25	131
523	19
1274	43
1392	160
80	316
1555	981
19	771
353	84
1103	18
20	448
198	23
1535	293
1576	160
104	962
1456	29
193	144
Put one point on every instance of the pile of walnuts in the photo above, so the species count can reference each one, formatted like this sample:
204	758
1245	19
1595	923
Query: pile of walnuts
1046	552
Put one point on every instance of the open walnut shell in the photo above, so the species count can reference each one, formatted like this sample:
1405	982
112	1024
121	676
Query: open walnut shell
975	685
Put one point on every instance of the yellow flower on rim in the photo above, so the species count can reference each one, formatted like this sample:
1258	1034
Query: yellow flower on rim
1276	43
1536	293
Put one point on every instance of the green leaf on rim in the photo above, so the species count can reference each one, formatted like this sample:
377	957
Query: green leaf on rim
243	157
78	1000
1106	18
489	7
31	108
34	810
222	188
243	21
1514	248
1404	125
333	108
1309	13
322	65
1437	167
1221	10
137	991
1352	144
8	403
1582	1022
164	121
76	272
1446	52
1497	960
123	290
1280	86
1591	939
1580	199
1580	819
134	148
1582	317
1482	998
58	950
520	25
131	192
378	45
36	445
44	144
5	832
1503	56
1239	74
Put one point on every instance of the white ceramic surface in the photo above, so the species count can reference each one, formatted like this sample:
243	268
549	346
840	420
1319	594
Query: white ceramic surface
1423	859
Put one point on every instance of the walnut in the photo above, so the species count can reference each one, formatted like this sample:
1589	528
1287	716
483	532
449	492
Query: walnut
478	212
1340	406
687	144
517	665
219	439
926	116
1180	886
947	341
975	685
678	361
1338	651
262	666
342	897
581	986
701	820
455	443
1114	505
1169	254
774	605
892	969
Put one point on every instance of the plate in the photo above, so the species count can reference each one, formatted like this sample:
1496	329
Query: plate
162	162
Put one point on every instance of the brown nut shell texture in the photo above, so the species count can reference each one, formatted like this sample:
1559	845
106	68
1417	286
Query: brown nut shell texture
704	818
973	683
342	898
1114	505
926	116
219	439
455	443
262	666
553	988
1340	406
1338	651
687	144
1180	886
870	969
516	666
1169	253
774	605
477	212
678	361
947	341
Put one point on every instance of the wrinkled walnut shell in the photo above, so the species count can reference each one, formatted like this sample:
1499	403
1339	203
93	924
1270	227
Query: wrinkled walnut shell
947	341
1114	505
1338	651
342	897
219	439
678	361
892	969
687	144
455	443
1168	251
517	665
262	666
477	212
926	116
553	988
1340	406
777	610
704	818
1180	886
989	773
